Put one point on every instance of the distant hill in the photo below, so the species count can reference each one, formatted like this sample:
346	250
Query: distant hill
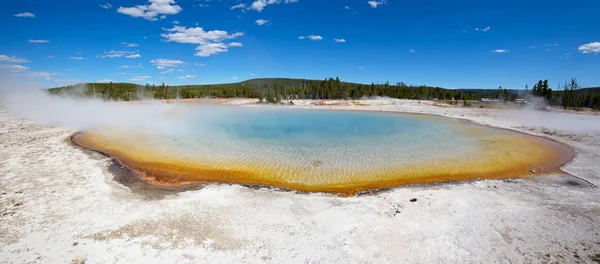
285	82
257	82
591	90
285	89
581	91
266	88
488	91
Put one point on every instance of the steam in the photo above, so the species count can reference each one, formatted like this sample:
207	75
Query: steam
75	112
79	114
539	113
536	102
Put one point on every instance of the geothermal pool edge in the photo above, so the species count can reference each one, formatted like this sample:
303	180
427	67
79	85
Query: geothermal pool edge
138	181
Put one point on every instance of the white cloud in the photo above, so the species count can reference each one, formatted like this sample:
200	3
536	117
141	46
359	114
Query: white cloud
259	5
200	64
130	66
167	71
210	49
375	4
234	78
120	73
50	57
314	37
301	37
151	10
21	70
76	58
500	51
261	22
340	40
115	54
139	78
166	63
197	35
360	67
133	56
45	75
130	45
175	22
238	6
412	51
38	41
104	81
211	42
533	47
106	5
197	3
68	81
486	29
592	47
24	14
13	68
12	59
346	7
187	77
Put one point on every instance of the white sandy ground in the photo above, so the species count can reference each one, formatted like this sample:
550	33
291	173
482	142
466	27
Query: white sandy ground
58	204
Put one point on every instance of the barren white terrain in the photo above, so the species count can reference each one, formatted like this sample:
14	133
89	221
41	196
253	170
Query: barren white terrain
58	204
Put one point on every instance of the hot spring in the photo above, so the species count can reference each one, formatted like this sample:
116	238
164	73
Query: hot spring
343	152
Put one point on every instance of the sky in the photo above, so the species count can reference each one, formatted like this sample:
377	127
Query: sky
452	44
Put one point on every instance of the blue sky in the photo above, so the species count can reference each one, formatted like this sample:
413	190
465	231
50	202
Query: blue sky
454	44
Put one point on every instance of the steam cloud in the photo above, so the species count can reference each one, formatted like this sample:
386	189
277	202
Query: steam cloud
36	104
31	102
152	116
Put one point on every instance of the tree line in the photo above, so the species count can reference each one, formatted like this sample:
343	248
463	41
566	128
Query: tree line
568	95
279	90
267	90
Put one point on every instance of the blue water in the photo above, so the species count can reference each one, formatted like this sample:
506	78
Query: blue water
323	148
310	127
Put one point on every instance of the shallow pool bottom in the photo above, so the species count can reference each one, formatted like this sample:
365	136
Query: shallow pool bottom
326	151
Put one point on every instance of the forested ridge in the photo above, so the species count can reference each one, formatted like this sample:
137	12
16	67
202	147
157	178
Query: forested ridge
279	90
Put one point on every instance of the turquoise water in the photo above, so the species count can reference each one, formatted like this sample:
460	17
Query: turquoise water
310	150
340	140
314	127
310	127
